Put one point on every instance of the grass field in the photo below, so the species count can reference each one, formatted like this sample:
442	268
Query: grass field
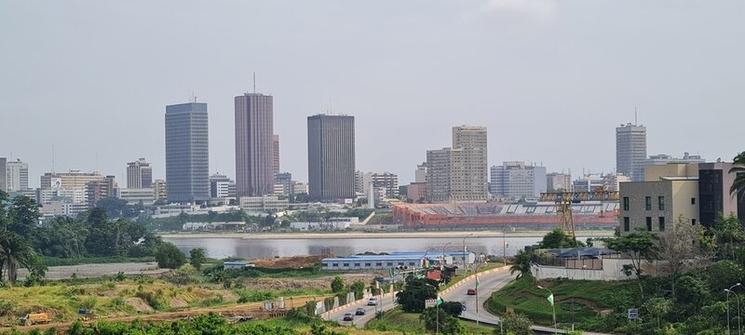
398	321
576	300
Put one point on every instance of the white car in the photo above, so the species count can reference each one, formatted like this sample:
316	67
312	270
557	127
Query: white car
372	301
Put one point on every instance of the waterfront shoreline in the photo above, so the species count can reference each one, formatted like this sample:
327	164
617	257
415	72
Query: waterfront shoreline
382	235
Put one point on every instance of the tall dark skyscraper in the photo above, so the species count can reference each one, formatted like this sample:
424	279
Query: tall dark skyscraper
331	157
254	145
631	150
187	153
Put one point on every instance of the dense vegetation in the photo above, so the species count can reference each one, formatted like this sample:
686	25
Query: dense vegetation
24	242
688	295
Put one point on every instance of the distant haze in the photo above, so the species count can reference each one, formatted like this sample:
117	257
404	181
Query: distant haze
549	79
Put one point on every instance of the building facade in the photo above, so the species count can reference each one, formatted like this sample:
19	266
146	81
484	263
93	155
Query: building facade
420	174
3	174
387	182
16	176
438	175
655	206
139	174
714	191
331	157
275	154
134	196
254	144
160	192
664	159
99	189
516	180
284	179
631	150
222	187
187	152
558	182
469	174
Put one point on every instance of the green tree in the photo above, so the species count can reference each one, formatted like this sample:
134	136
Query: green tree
521	264
682	247
61	237
738	167
24	216
447	323
453	308
337	285
15	251
197	257
116	207
658	308
558	238
517	324
728	233
639	246
723	274
168	256
102	237
358	287
415	292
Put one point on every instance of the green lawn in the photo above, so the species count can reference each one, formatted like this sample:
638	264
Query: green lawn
397	320
576	300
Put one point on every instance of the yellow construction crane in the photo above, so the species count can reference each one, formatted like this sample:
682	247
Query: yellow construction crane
563	202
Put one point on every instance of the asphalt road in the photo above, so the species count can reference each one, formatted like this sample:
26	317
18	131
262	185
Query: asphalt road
385	304
488	283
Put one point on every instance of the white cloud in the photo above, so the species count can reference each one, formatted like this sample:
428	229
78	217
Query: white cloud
540	9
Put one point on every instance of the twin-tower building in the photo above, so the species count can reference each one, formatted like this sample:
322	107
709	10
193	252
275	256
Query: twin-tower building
331	154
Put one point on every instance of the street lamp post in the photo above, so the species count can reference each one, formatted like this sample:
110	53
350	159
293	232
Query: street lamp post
553	305
437	309
465	262
728	291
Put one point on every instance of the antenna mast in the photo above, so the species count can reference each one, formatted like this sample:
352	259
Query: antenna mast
254	82
636	111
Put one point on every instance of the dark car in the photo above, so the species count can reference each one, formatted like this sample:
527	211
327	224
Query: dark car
359	311
348	317
471	291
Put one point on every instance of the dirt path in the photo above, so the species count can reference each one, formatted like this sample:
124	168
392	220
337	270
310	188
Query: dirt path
98	270
253	309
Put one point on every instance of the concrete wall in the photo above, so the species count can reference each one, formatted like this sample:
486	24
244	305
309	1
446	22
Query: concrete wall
612	270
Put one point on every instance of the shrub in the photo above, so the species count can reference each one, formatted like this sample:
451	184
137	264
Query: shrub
168	256
246	296
6	307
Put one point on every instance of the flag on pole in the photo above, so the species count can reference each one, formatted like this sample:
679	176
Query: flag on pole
550	299
439	301
477	283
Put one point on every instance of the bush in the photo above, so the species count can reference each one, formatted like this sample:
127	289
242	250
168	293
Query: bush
6	307
337	285
453	308
517	324
154	299
168	256
253	296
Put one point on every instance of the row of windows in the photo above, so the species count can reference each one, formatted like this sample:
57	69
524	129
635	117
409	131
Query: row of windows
648	203
336	265
660	223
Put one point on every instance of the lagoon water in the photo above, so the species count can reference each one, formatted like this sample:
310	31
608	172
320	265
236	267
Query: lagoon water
222	247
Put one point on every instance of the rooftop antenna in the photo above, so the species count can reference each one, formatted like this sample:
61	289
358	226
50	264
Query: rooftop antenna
52	158
193	96
254	82
636	110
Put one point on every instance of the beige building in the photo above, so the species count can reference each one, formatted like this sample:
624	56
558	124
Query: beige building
669	195
459	173
159	190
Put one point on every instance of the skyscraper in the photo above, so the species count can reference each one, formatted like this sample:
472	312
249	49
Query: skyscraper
187	152
139	174
631	150
275	154
469	175
254	145
16	176
331	170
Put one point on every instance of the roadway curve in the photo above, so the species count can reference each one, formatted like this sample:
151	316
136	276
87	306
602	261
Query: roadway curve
489	282
386	303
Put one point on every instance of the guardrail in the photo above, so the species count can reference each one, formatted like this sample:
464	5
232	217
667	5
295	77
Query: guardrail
327	314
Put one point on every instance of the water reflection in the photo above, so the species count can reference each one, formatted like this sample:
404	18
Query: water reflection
269	248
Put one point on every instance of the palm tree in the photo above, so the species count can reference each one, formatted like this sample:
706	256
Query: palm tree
15	251
738	167
523	260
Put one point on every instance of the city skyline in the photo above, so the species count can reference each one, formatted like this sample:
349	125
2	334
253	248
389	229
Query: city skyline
486	82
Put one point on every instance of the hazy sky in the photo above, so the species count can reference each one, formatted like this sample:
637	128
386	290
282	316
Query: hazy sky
550	79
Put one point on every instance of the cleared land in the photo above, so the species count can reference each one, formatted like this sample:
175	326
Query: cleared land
99	270
399	322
